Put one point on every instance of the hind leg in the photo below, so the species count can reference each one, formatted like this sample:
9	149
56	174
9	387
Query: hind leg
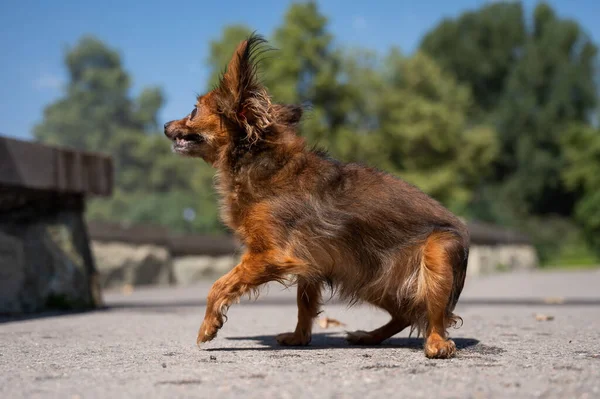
435	288
309	302
437	344
377	336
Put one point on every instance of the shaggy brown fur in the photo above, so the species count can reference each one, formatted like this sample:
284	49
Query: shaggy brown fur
302	214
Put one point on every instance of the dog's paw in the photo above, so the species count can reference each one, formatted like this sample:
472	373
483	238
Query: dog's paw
362	338
440	348
206	333
293	339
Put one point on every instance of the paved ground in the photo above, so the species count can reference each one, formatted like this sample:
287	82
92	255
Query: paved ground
144	346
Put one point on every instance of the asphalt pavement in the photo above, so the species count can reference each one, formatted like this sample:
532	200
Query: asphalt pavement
524	335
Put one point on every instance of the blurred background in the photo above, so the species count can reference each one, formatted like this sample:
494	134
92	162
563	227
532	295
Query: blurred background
491	107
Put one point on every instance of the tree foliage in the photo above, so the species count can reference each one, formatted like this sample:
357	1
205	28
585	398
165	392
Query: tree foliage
582	163
97	113
533	77
551	86
491	116
480	48
423	116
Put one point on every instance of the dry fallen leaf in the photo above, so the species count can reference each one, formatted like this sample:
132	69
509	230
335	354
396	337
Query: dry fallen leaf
543	317
127	289
327	322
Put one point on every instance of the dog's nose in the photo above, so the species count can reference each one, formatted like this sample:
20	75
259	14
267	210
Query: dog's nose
167	128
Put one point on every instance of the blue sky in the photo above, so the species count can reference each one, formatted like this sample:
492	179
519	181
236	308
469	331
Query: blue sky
166	43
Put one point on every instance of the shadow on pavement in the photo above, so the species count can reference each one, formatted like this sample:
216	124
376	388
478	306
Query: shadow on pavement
334	340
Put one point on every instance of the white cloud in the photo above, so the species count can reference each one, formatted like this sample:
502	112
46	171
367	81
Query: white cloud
48	81
359	22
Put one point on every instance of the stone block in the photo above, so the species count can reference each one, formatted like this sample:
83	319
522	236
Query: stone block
121	264
45	264
190	269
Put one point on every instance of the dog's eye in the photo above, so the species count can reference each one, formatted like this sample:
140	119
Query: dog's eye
193	114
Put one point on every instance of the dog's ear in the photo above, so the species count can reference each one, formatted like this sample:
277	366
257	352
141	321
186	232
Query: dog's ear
287	114
241	98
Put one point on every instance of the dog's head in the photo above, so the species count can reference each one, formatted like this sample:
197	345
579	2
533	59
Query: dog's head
238	111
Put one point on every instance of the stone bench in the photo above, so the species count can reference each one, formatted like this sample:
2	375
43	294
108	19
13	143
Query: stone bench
45	257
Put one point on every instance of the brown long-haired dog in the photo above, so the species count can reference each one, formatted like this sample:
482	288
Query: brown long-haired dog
302	214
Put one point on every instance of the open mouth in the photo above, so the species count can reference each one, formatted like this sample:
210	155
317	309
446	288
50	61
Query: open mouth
183	141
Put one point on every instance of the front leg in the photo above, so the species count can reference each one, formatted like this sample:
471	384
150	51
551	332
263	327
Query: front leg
309	303
254	270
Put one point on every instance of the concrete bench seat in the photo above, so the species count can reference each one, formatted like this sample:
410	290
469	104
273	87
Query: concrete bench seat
45	257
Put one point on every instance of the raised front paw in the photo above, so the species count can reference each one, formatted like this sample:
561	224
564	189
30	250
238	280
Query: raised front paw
293	339
208	330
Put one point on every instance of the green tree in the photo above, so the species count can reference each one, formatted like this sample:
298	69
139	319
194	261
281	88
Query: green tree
480	48
359	138
97	106
530	81
97	113
550	87
582	163
425	133
533	78
307	70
